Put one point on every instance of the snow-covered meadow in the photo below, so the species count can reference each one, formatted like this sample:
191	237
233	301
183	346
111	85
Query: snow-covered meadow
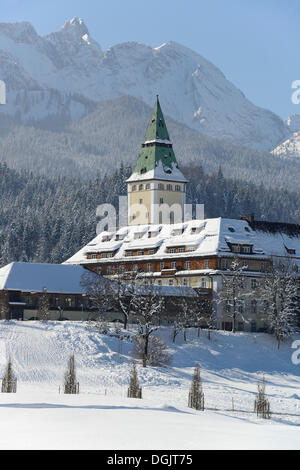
102	417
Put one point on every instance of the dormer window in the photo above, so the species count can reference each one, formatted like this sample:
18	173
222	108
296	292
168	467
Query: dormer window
106	238
245	249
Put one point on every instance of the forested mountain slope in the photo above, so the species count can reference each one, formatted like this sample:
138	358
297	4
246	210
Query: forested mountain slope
112	134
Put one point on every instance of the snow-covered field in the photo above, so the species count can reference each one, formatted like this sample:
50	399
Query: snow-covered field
102	417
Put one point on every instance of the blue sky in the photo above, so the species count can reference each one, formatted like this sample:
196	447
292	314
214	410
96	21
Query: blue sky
254	42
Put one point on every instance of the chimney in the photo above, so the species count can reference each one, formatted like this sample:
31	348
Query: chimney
248	217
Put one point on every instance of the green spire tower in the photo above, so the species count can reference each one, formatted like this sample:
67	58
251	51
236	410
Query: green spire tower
156	183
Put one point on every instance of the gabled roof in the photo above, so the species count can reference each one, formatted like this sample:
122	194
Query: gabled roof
34	277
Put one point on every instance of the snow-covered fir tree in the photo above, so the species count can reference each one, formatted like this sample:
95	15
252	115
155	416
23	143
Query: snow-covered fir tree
196	395
9	381
71	385
134	389
280	297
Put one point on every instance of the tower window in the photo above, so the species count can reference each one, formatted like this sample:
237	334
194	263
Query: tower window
169	187
177	187
141	201
161	186
148	186
161	201
141	187
134	187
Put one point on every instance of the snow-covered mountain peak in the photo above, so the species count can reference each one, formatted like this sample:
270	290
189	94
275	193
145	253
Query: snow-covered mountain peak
22	31
74	45
294	122
290	148
76	27
192	89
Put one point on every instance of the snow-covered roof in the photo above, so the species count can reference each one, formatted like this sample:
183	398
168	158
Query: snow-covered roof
214	237
159	173
34	277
